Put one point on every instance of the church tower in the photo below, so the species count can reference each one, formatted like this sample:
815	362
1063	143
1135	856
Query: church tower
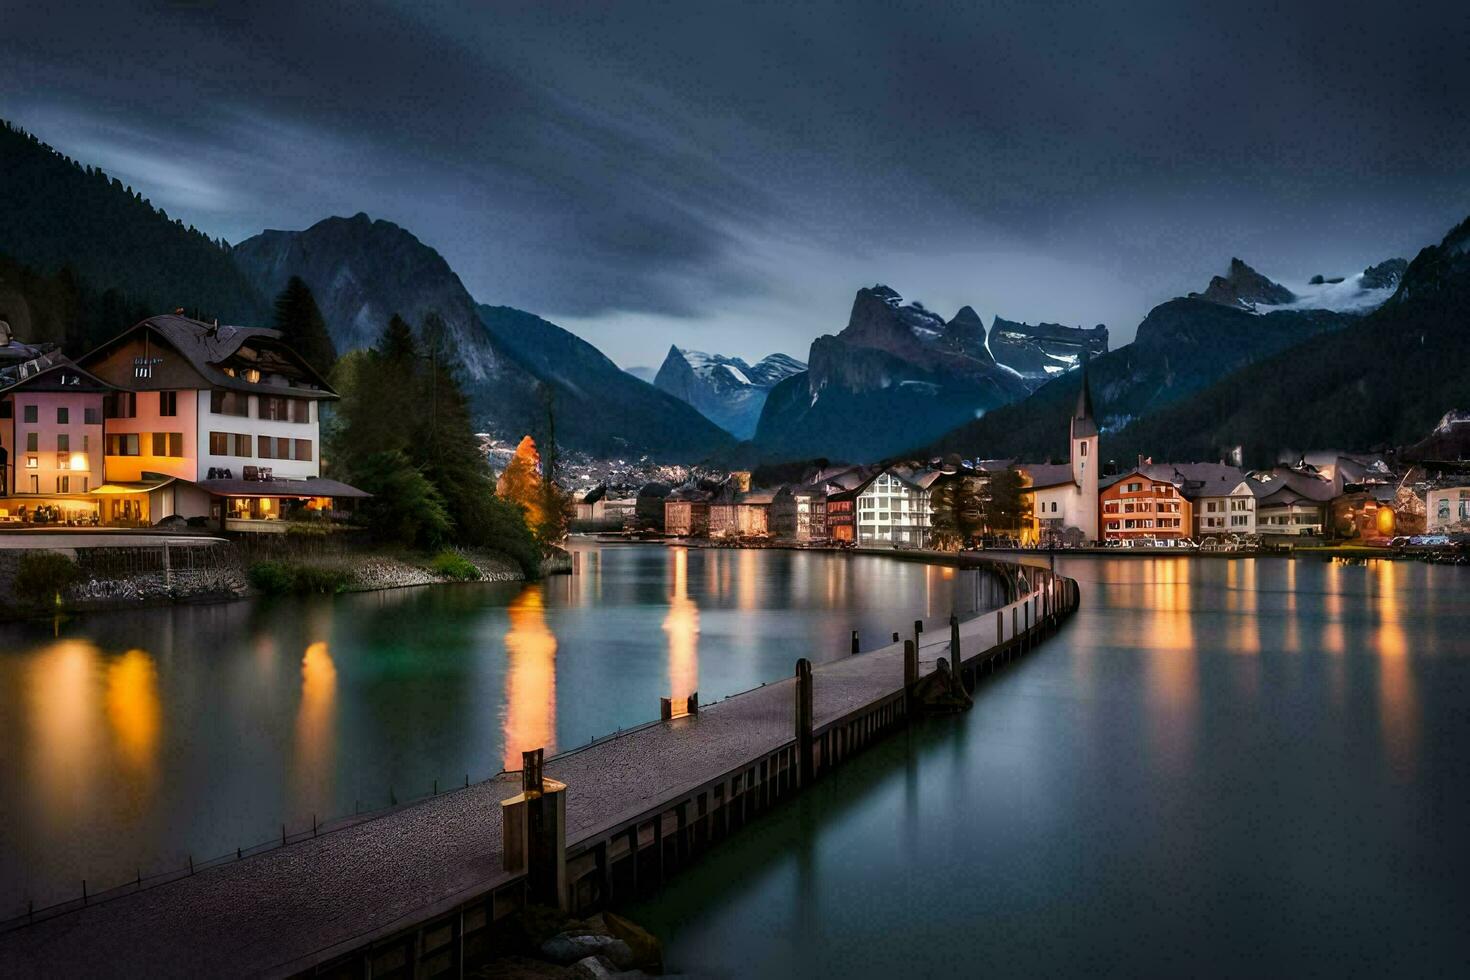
1085	462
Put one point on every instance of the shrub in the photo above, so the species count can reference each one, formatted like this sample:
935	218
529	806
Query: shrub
452	564
322	579
284	578
271	577
44	575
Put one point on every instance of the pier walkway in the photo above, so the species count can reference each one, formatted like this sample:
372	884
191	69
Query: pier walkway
409	891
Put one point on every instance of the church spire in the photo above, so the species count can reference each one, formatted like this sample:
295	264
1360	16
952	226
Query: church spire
1084	397
1083	425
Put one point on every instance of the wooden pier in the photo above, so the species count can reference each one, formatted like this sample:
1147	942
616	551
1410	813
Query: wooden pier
418	891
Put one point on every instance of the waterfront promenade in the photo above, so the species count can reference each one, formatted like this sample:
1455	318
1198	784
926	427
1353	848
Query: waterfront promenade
370	879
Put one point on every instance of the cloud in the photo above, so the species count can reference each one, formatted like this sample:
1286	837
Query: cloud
646	170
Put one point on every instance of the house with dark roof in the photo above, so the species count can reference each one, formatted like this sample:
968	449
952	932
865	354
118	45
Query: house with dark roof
51	440
210	421
1290	503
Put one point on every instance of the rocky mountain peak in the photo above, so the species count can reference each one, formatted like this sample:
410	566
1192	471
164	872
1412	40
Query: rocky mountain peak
1245	288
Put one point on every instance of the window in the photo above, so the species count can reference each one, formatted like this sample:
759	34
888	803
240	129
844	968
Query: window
32	462
168	444
168	403
32	413
274	408
242	445
63	484
7	409
1444	509
1084	449
92	416
300	410
229	403
122	444
33	442
121	405
63	442
274	448
35	484
303	449
63	415
1133	488
219	444
63	461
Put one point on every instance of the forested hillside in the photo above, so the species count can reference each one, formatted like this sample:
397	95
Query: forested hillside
78	230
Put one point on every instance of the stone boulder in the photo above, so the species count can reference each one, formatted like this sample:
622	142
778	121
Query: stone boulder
566	949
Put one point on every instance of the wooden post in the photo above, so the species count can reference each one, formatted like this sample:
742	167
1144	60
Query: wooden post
895	636
665	709
854	641
804	754
918	629
692	704
534	833
954	644
910	663
1000	627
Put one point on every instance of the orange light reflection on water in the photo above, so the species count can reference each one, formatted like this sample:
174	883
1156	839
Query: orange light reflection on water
530	678
135	713
316	738
1397	702
682	625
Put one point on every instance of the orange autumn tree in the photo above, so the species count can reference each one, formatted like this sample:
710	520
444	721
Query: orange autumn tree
521	482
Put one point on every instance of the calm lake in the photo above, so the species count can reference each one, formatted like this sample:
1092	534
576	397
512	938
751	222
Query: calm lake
1242	768
131	741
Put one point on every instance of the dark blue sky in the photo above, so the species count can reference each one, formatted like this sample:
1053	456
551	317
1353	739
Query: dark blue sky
726	176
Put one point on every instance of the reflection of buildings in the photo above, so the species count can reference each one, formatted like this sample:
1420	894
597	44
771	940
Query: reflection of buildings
530	678
682	625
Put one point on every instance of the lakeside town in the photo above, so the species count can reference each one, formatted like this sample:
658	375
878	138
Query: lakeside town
1362	499
180	423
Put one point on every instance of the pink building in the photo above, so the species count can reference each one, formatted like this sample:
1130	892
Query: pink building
51	441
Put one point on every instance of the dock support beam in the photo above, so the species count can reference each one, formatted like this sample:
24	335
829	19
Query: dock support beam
954	645
804	746
854	641
534	829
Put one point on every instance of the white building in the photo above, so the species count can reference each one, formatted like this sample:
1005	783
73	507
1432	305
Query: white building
210	421
894	507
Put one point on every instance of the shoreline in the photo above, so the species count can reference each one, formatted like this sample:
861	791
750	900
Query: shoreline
1316	551
221	574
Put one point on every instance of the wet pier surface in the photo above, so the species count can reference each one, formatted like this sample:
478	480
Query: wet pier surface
292	907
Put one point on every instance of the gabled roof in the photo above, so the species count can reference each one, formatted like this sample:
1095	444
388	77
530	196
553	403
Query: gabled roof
1304	486
207	346
1043	475
46	373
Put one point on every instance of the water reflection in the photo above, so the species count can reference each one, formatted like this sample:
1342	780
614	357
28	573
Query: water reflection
134	711
682	624
1396	700
65	739
315	729
530	680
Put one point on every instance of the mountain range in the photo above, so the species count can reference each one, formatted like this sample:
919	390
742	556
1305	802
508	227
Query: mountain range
363	271
726	390
1210	378
1248	361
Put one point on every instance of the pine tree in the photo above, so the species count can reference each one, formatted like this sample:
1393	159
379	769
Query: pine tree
302	326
